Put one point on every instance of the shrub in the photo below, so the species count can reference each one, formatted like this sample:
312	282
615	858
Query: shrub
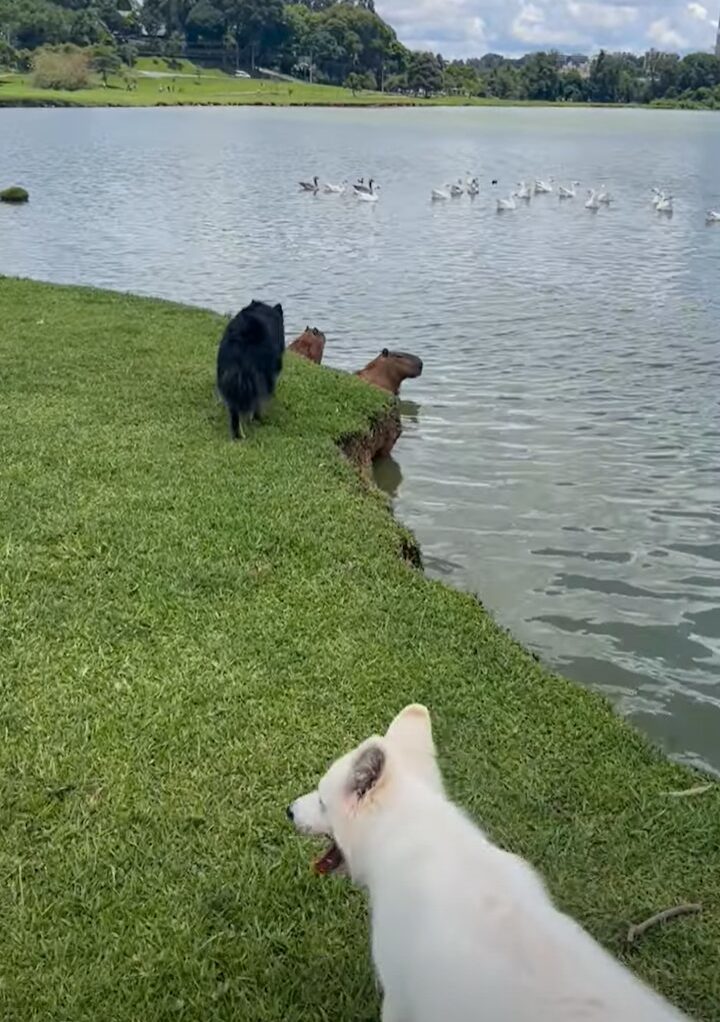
8	55
128	54
14	194
106	61
61	69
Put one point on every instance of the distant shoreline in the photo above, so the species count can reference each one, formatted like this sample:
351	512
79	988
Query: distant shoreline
63	102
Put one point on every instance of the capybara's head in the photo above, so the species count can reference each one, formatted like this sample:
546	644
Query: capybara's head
390	368
409	365
310	344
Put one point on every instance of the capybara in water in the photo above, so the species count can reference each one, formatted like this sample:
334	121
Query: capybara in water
249	361
310	344
390	368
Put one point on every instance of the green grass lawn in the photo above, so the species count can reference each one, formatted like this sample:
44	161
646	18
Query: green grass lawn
191	629
213	87
208	87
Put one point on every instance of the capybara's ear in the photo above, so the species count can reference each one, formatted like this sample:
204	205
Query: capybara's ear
367	769
279	308
384	353
410	734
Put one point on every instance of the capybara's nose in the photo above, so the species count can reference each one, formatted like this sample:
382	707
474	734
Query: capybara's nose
289	813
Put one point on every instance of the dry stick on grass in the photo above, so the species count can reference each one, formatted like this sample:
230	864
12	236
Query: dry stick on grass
638	929
700	789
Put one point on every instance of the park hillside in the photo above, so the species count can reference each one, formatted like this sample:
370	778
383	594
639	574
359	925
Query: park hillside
79	45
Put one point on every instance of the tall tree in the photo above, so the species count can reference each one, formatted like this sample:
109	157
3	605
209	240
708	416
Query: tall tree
424	74
541	76
258	25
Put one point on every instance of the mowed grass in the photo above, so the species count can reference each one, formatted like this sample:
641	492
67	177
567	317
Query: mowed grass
209	87
191	629
188	85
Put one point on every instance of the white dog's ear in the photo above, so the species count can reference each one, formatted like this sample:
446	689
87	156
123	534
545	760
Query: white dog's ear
367	769
411	735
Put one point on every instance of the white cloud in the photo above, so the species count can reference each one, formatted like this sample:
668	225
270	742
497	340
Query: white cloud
598	15
665	36
469	28
529	26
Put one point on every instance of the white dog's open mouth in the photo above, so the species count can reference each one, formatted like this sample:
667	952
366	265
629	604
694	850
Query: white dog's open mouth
330	861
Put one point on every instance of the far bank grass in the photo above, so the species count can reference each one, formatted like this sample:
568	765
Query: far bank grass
186	88
212	87
191	629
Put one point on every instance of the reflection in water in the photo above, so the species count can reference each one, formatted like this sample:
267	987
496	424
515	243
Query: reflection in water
409	410
564	465
387	475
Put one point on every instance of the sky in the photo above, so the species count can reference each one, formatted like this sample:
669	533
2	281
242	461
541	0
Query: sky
470	28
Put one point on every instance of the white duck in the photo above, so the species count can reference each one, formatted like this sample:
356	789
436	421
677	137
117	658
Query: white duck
567	192
369	196
504	204
604	196
592	200
523	191
361	187
440	194
712	217
457	190
310	186
664	204
331	189
473	187
543	187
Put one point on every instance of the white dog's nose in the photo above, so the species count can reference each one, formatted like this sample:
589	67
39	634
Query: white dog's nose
290	814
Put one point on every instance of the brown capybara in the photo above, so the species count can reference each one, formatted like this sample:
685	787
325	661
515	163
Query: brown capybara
390	368
310	344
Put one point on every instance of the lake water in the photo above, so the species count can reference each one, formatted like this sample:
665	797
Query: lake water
561	449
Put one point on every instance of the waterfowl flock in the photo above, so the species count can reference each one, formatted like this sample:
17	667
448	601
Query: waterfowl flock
360	190
523	193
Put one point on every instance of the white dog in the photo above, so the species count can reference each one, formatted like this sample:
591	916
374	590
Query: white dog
461	930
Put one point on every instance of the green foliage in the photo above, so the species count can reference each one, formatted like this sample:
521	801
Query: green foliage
14	194
28	24
334	41
205	22
128	54
173	46
540	76
359	82
106	61
66	68
424	74
8	55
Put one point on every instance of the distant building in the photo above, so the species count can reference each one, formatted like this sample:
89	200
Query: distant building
582	69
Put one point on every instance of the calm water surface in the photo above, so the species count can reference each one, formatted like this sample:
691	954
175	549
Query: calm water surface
561	450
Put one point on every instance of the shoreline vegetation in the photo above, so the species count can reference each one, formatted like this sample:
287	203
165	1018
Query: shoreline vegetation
316	45
193	629
193	86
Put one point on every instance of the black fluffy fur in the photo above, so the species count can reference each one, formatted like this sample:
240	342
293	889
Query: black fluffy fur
249	361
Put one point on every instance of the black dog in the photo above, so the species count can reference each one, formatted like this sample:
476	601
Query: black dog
249	361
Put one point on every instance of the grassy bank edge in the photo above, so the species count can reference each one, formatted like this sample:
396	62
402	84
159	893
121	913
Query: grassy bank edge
545	763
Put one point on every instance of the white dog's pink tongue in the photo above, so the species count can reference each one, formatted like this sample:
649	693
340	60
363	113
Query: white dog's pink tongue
331	860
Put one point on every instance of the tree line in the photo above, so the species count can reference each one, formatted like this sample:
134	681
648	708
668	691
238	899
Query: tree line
654	77
344	42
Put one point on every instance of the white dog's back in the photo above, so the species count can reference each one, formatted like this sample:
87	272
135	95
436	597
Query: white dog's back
464	931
